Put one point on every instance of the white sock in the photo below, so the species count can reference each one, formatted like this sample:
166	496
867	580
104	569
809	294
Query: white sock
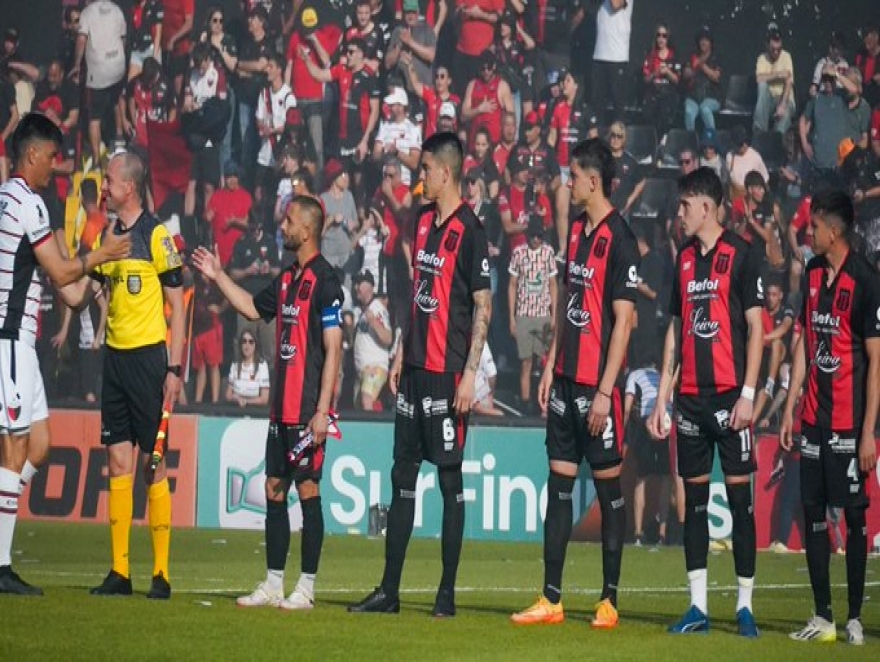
275	580
744	597
27	474
699	590
307	584
9	486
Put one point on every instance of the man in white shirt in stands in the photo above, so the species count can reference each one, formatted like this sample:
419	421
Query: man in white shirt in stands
611	58
399	137
272	106
774	72
372	340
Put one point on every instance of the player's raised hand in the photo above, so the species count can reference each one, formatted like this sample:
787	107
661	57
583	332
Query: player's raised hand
207	262
786	440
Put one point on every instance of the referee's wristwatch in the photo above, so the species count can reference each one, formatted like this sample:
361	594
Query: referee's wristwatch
174	370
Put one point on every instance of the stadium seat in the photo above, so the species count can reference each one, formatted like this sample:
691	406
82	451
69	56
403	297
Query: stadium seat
654	202
769	145
673	144
641	142
741	97
723	141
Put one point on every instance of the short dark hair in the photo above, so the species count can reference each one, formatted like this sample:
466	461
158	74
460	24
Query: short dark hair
594	154
201	52
836	204
88	191
306	178
34	127
279	59
151	69
313	210
754	178
702	181
446	148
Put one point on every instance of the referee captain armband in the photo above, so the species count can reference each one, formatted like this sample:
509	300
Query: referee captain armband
331	317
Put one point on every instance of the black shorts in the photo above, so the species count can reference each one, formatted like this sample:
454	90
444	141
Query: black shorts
652	457
567	436
132	397
426	427
283	437
176	64
206	166
701	424
99	102
830	474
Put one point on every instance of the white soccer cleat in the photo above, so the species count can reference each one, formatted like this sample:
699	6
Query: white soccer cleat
854	632
263	596
818	629
297	601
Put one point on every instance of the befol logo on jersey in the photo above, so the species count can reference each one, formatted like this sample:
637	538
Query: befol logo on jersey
824	322
575	314
289	312
702	327
430	259
423	299
700	286
825	360
576	270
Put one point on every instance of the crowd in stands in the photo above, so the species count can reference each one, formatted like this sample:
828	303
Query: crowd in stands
237	112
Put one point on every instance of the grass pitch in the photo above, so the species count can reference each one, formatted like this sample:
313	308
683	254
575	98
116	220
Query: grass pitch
209	568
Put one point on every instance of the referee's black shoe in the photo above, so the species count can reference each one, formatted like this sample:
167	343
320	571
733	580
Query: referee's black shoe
160	589
377	602
444	604
11	583
113	584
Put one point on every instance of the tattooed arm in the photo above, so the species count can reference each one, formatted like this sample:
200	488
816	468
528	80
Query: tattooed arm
464	394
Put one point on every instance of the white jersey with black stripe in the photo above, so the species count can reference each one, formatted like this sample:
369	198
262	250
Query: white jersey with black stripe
24	225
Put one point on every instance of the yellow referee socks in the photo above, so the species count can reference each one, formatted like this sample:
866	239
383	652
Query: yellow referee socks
160	525
121	507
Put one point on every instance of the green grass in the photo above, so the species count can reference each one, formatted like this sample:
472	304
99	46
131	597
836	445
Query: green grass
209	568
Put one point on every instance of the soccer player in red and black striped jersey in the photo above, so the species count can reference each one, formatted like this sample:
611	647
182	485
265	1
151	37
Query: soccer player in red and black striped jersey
839	355
581	388
435	368
305	300
714	343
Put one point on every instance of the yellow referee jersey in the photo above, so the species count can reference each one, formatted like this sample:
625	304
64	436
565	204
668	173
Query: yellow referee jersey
136	316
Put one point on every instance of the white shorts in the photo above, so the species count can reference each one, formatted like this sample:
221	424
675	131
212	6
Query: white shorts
22	396
137	57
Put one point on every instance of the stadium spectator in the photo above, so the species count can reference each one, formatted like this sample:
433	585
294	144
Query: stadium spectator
487	97
476	21
207	337
177	25
868	62
486	210
757	218
520	203
629	178
227	211
702	77
372	340
661	72
415	42
101	40
858	116
834	60
249	380
254	264
340	215
398	136
711	158
144	34
822	126
532	301
225	50
646	329
149	100
433	97
481	162
391	204
69	30
651	455
774	72
368	241
611	58
534	151
502	151
58	99
798	237
271	118
254	52
742	160
861	172
514	51
367	31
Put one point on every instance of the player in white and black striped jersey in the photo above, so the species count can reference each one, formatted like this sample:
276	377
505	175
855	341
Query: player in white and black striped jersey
27	242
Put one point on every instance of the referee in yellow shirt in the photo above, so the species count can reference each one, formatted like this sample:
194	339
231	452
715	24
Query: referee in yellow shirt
140	374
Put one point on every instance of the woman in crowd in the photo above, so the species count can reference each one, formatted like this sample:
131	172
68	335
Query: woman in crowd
248	374
515	55
481	162
225	53
662	74
702	76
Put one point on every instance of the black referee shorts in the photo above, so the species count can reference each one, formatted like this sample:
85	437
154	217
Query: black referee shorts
132	398
703	423
426	427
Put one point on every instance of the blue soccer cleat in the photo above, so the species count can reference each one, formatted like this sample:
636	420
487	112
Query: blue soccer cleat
693	622
746	625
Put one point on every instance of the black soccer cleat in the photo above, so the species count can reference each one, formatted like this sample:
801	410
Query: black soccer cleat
444	604
113	584
160	589
377	602
12	584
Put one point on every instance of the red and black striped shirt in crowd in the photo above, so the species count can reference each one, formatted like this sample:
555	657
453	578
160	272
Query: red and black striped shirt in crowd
450	262
837	319
356	90
303	303
711	294
599	269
